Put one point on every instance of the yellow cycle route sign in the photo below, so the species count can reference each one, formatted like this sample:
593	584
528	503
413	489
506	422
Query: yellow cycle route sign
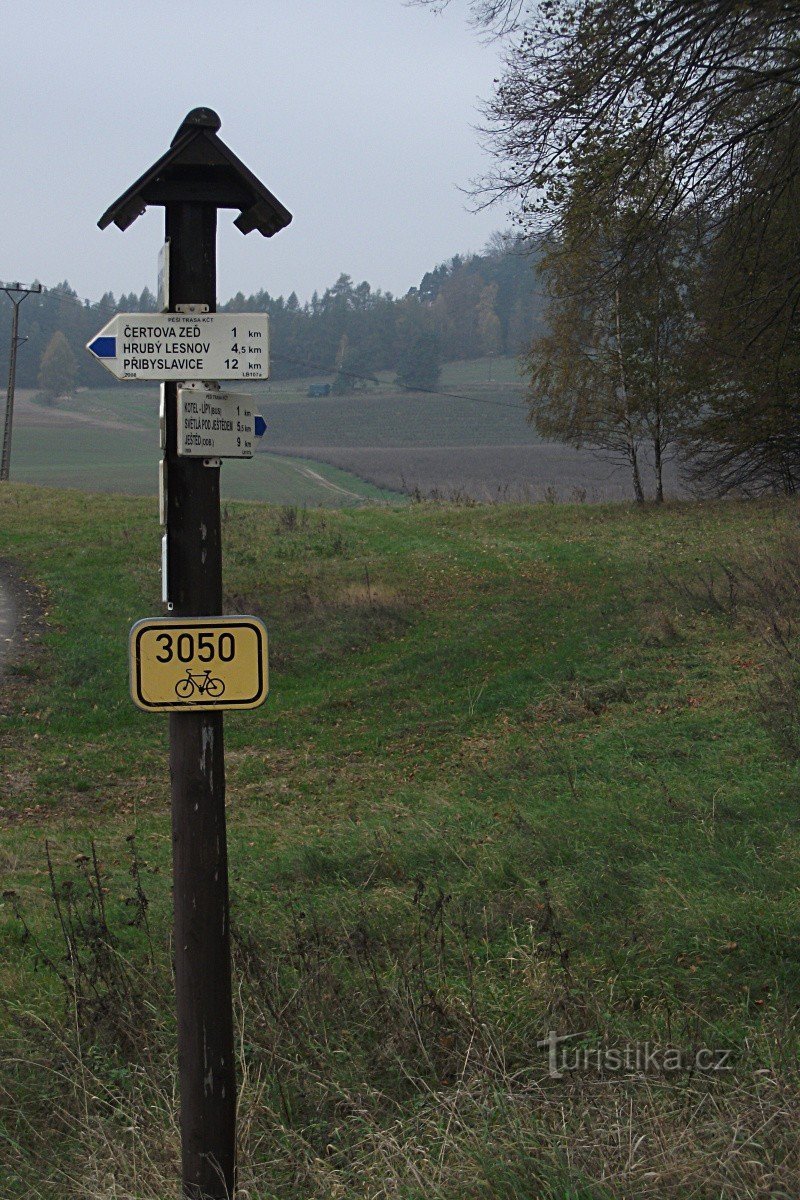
192	663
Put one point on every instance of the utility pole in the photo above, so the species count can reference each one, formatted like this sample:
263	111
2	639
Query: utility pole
16	295
197	175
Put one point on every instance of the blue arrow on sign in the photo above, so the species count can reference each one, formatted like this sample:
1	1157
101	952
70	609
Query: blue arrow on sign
103	347
260	425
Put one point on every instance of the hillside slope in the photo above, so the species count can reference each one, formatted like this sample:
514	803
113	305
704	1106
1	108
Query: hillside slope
513	777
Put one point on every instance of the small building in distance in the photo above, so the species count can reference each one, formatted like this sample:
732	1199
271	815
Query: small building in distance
319	389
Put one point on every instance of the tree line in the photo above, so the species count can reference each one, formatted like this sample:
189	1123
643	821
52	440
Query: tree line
473	305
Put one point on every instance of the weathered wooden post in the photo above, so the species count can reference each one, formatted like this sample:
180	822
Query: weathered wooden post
172	658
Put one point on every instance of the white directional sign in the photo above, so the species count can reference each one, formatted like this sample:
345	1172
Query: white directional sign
175	346
214	424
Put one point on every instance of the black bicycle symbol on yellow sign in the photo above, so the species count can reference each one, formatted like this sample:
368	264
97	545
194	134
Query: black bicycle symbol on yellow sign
199	681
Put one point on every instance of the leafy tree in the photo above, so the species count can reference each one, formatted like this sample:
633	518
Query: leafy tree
610	372
343	380
353	372
58	370
419	362
306	337
745	437
490	331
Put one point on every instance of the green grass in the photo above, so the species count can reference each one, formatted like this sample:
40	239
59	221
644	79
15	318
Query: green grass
506	781
481	372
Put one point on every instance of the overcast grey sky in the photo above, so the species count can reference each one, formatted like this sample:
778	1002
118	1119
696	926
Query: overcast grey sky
359	115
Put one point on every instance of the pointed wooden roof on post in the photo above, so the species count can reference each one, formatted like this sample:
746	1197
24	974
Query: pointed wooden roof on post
200	168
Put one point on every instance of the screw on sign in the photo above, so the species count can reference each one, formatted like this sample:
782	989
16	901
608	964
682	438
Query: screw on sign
195	663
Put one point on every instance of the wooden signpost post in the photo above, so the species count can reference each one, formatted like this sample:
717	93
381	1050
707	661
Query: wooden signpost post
197	176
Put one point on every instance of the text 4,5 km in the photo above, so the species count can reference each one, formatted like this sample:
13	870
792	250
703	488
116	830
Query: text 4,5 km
248	347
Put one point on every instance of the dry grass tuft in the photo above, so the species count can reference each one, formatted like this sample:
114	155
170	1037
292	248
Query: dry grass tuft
380	1058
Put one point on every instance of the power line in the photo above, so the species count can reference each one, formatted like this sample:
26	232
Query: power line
84	305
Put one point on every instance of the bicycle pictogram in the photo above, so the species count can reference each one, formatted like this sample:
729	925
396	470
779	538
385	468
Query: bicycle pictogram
199	681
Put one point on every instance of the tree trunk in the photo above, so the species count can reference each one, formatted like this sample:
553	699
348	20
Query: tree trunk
638	490
633	456
659	470
658	429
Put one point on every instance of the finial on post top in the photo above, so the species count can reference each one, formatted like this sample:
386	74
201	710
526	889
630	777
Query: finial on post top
198	118
198	158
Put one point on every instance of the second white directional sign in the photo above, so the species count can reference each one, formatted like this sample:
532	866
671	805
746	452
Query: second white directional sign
214	424
174	346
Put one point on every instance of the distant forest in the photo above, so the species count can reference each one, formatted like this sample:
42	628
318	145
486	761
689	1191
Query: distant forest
471	306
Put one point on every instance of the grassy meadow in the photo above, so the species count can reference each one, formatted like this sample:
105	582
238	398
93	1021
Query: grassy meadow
522	769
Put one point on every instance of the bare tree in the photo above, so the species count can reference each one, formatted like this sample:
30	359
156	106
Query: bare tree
710	87
498	17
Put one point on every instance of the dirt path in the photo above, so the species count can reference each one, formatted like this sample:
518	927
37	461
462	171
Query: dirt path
8	620
326	483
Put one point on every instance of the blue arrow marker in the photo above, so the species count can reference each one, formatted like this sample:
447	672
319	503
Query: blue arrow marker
260	426
104	347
